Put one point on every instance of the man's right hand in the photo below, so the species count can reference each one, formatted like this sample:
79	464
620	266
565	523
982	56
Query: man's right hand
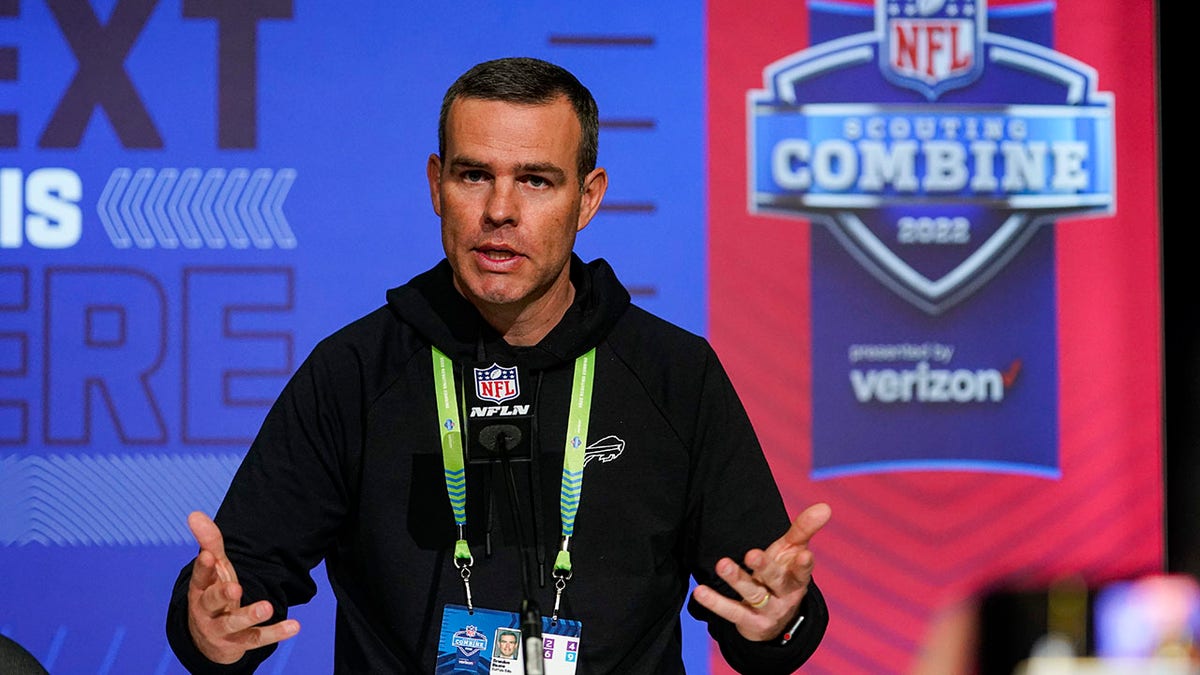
222	629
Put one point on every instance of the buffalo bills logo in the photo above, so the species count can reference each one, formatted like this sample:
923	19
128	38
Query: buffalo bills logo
604	450
497	384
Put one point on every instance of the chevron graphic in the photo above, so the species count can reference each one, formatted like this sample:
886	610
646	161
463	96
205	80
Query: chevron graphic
572	485
193	208
456	490
108	500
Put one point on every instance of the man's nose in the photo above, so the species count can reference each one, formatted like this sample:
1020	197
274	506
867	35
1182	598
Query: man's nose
503	204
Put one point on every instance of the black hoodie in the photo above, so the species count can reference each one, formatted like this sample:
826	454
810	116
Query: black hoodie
347	468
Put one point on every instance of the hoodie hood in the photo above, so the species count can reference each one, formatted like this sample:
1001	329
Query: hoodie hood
439	313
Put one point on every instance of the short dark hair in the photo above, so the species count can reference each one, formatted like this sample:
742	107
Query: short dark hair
530	81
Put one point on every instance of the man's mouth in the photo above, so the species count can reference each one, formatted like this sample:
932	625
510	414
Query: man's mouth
497	254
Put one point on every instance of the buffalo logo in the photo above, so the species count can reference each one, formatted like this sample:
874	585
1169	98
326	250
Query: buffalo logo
497	384
604	450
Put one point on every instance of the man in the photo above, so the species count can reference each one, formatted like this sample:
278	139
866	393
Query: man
506	645
359	458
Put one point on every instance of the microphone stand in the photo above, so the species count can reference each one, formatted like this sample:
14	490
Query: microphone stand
531	614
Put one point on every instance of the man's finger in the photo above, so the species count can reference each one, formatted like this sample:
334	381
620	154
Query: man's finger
731	610
808	523
764	624
219	598
789	572
209	537
204	571
246	617
276	632
787	564
752	592
207	534
229	635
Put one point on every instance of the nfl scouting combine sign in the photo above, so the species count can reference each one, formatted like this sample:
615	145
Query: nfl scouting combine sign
922	340
933	150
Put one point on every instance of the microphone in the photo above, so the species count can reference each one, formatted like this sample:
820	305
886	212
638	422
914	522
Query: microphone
498	439
531	630
497	402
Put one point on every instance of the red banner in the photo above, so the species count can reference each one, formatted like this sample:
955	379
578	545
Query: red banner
910	539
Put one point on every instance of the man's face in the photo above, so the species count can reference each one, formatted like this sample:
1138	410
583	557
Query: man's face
507	645
508	193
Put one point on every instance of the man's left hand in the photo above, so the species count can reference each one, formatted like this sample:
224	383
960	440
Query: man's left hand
776	583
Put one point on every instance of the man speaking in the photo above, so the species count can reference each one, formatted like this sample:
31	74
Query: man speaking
507	442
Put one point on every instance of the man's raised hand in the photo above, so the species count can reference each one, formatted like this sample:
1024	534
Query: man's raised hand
777	582
221	628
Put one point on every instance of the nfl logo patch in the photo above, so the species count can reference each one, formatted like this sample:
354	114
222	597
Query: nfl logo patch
496	383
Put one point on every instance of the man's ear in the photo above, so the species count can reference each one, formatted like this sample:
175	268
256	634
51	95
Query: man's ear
594	187
433	171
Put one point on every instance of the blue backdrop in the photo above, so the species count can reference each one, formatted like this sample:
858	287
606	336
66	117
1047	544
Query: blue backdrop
193	192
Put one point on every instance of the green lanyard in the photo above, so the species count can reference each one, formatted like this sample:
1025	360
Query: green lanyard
573	459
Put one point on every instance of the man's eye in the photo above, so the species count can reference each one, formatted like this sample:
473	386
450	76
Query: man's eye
473	176
537	181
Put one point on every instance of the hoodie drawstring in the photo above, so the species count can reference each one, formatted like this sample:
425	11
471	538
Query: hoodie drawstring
535	484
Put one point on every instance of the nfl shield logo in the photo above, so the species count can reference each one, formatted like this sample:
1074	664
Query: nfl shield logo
931	45
470	641
497	384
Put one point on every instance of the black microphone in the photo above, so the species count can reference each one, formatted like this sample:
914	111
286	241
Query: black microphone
495	402
531	631
498	439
